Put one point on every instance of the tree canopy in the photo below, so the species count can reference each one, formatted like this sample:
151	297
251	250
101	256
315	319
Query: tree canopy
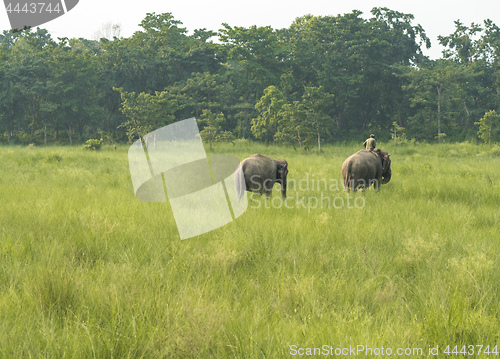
321	80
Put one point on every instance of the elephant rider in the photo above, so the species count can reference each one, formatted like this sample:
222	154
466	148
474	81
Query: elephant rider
370	144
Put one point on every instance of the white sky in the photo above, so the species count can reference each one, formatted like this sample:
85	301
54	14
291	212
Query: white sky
89	16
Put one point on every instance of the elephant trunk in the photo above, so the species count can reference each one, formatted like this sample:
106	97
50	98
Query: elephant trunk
281	174
283	187
386	177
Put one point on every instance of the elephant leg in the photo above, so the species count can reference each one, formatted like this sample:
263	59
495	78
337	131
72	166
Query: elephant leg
347	185
257	193
267	187
360	185
355	185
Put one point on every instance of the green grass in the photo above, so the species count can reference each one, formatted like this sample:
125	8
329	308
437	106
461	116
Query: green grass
87	270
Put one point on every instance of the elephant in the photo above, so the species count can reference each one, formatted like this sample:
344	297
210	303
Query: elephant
259	173
365	168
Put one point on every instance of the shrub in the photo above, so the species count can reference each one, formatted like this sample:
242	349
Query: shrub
93	145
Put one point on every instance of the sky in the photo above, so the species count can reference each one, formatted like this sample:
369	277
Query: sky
89	16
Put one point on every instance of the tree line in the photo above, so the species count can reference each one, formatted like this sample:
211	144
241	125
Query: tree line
324	79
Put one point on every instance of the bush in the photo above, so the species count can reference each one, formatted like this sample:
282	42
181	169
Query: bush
93	145
495	150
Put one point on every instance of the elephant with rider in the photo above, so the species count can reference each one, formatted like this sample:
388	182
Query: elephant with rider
365	168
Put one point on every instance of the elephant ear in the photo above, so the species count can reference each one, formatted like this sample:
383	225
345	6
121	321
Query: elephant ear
385	160
282	168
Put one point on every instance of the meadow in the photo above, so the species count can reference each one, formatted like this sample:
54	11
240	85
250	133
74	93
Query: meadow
89	271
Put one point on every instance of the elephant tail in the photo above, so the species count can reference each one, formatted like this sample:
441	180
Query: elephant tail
239	182
347	175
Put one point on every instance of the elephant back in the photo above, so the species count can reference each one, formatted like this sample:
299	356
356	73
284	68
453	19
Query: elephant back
259	165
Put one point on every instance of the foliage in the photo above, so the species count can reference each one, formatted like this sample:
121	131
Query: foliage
296	129
305	121
316	102
323	79
145	112
212	130
93	144
489	127
460	46
265	126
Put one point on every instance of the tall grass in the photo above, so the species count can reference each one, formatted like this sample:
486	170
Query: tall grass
87	270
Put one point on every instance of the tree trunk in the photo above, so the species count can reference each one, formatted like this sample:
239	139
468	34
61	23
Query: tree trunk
245	123
468	116
247	112
319	140
395	133
70	138
275	132
33	123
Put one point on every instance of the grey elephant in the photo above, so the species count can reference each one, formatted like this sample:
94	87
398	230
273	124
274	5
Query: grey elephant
365	168
259	173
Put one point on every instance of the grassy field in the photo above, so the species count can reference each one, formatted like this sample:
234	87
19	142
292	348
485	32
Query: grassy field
89	271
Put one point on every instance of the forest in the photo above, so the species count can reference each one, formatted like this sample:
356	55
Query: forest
323	80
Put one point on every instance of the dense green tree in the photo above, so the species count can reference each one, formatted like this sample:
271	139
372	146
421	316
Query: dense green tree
8	107
254	60
212	128
265	126
202	91
461	46
439	93
325	52
74	101
30	72
159	55
305	121
294	128
145	112
316	102
490	52
461	85
352	58
489	127
405	39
